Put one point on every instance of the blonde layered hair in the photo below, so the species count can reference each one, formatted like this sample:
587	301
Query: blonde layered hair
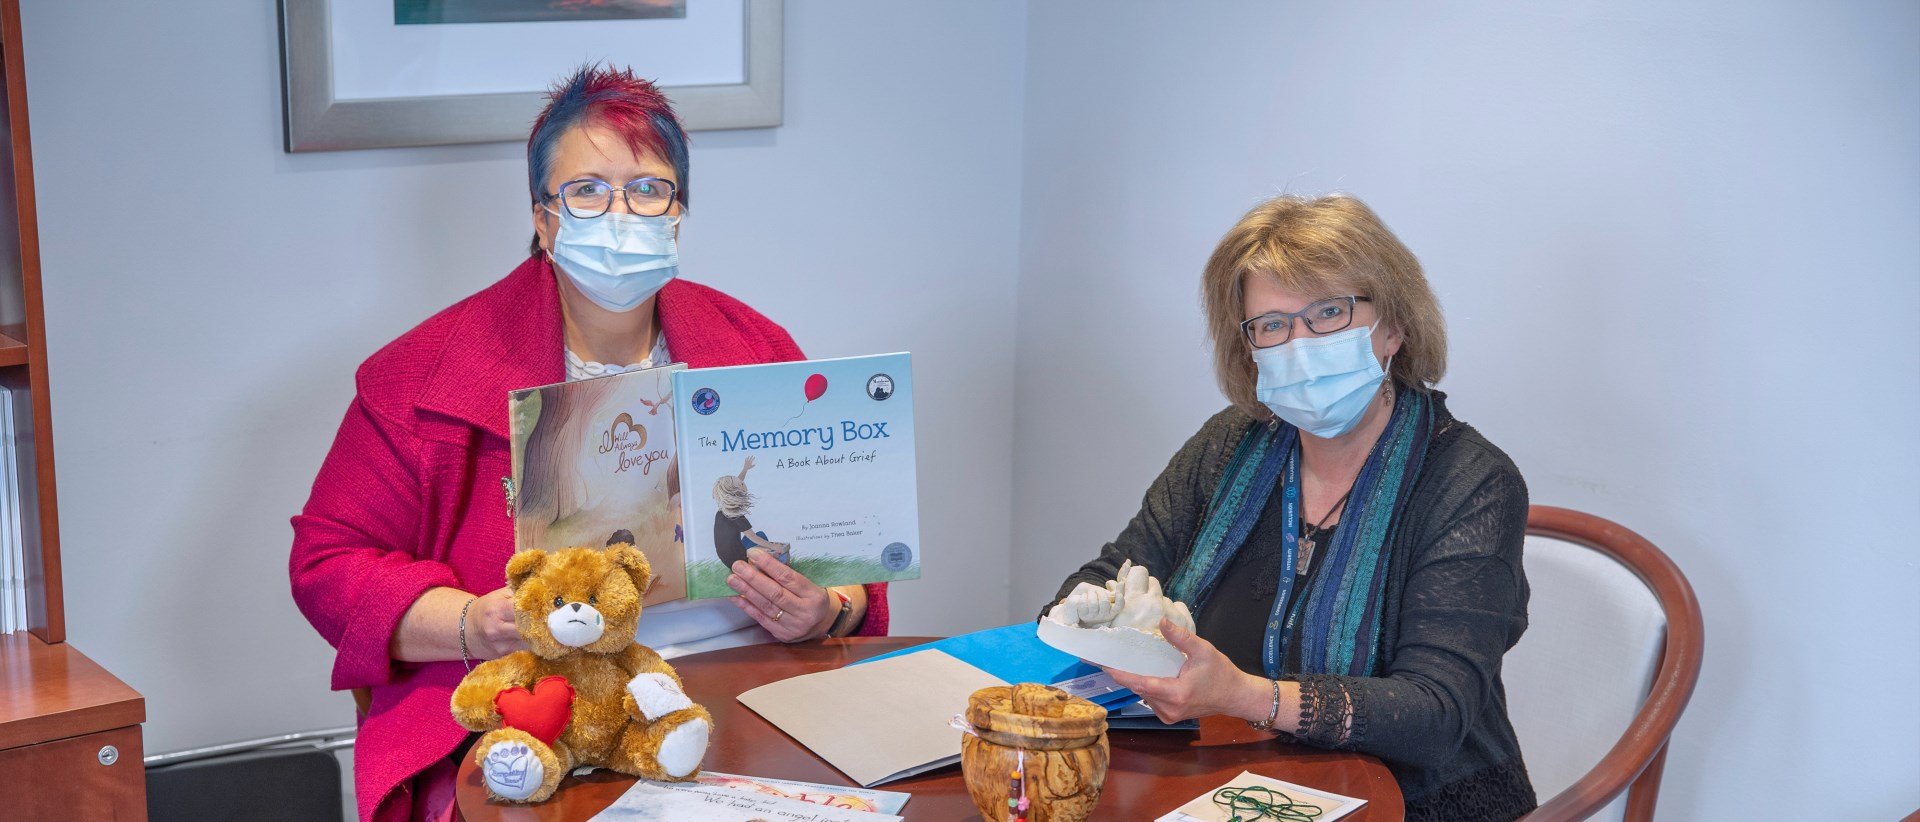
731	494
1320	247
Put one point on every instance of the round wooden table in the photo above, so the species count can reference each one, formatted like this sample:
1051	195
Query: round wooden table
1151	772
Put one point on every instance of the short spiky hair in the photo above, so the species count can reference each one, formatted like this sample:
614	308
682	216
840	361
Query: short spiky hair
603	95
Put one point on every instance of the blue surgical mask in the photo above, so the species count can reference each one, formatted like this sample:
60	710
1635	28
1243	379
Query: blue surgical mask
1321	385
618	260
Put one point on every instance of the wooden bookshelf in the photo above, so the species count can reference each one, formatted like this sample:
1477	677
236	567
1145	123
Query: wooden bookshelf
69	730
12	350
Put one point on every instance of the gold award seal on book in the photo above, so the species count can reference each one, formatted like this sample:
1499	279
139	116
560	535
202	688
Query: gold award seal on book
1037	747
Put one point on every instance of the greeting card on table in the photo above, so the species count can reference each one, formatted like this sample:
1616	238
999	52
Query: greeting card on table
593	464
812	461
679	802
832	796
1252	796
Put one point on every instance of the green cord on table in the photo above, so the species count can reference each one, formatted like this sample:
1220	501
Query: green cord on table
1264	803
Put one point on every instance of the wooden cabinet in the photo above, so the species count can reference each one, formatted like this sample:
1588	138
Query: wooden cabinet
99	777
69	736
58	710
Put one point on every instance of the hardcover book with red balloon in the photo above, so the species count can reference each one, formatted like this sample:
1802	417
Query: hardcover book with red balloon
811	461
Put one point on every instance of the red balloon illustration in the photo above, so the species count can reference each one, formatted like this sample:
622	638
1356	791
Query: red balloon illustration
816	385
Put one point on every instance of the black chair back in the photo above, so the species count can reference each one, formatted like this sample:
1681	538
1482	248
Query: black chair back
296	784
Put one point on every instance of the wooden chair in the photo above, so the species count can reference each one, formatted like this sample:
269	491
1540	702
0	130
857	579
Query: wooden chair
1627	640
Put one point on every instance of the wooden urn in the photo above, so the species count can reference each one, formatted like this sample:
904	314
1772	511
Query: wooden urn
1058	741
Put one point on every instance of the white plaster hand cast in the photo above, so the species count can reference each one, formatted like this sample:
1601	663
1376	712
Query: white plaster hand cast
1132	599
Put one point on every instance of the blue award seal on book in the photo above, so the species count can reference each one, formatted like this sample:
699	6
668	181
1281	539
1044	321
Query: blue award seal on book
896	557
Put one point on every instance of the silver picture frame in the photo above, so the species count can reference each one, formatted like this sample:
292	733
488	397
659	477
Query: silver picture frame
315	121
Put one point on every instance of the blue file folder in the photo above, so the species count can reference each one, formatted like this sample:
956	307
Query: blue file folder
1014	653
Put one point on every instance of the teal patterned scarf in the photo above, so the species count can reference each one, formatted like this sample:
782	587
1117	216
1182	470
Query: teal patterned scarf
1341	607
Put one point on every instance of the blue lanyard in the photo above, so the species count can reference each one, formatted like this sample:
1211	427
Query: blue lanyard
1270	654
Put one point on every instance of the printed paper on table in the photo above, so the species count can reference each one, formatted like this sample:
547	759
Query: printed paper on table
1320	805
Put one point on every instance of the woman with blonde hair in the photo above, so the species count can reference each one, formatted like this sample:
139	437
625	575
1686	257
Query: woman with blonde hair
1350	551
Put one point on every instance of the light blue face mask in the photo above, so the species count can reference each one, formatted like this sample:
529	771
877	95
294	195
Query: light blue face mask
1321	385
618	260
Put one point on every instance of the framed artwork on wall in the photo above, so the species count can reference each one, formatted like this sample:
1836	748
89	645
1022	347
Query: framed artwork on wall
387	73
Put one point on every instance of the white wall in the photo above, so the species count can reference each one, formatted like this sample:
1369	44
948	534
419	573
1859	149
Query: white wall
1558	170
1677	249
208	297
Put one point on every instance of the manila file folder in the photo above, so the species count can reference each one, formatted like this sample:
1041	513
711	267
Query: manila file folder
879	721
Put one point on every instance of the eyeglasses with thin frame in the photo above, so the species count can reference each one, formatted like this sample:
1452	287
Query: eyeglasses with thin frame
590	197
1321	316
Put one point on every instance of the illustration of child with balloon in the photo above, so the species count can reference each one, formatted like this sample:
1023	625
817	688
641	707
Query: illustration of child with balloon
810	461
733	533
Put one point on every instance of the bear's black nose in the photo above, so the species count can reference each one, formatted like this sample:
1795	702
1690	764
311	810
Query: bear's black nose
576	607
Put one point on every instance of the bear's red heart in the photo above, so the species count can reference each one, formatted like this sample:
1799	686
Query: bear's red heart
542	712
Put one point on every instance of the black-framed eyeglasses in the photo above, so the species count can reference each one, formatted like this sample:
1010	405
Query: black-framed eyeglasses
590	197
1322	317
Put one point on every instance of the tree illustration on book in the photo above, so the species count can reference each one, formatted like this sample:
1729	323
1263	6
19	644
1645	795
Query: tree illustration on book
593	460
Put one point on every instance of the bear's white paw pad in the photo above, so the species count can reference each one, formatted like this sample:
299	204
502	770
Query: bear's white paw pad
512	771
657	695
681	751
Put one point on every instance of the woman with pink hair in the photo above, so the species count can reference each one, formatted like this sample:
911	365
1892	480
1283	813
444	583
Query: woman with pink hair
399	557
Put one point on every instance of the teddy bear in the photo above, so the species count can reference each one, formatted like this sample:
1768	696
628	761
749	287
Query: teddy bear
586	693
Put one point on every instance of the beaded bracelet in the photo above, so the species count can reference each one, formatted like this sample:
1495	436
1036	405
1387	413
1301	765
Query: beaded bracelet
464	657
1273	714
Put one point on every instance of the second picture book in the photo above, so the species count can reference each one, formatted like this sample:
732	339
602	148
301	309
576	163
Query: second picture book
593	465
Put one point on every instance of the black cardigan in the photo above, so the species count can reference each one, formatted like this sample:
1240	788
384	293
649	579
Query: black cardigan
1456	600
